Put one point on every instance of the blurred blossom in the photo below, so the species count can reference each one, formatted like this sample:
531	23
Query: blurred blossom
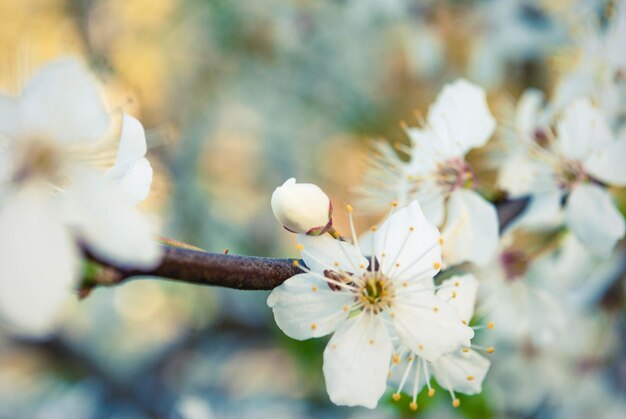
438	175
54	190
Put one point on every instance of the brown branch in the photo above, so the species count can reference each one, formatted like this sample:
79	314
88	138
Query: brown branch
203	268
231	271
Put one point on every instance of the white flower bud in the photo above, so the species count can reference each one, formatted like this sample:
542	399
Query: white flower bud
302	208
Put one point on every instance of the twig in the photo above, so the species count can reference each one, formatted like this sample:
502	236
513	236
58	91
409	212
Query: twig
231	271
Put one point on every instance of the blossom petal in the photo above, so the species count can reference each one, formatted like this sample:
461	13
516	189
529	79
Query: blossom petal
528	112
461	371
9	116
607	163
460	292
131	168
434	205
592	216
542	211
305	307
582	129
429	326
461	118
322	253
471	230
356	362
110	223
62	101
407	245
38	263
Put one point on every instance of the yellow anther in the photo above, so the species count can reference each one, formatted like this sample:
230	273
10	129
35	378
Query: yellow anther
490	325
374	228
465	350
394	204
395	359
313	288
411	228
371	341
470	377
413	406
457	283
362	266
440	241
349	208
431	392
346	308
436	309
405	284
336	264
295	263
396	397
299	247
464	322
333	346
313	326
397	264
491	350
456	403
453	294
420	347
437	265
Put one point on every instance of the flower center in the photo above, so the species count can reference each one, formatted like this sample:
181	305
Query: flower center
515	264
375	292
38	158
570	173
454	174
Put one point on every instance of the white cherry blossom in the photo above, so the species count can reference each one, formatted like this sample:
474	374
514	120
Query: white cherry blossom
366	301
439	177
461	371
575	167
57	195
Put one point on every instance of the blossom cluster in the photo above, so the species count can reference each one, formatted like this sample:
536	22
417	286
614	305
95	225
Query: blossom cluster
399	300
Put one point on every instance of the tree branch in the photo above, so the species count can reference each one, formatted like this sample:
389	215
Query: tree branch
231	271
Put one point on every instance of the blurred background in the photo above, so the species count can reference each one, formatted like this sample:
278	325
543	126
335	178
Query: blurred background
238	96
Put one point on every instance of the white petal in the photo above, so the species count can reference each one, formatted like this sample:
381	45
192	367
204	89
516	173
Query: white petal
460	292
356	362
109	222
38	263
322	253
132	170
460	116
407	245
471	230
582	129
520	175
527	112
427	150
542	211
433	205
62	102
461	371
429	326
305	307
607	163
9	117
592	216
136	180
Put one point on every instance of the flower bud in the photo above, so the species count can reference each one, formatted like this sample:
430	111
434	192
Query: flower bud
302	208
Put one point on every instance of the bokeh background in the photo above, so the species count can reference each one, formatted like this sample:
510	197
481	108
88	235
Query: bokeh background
236	97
